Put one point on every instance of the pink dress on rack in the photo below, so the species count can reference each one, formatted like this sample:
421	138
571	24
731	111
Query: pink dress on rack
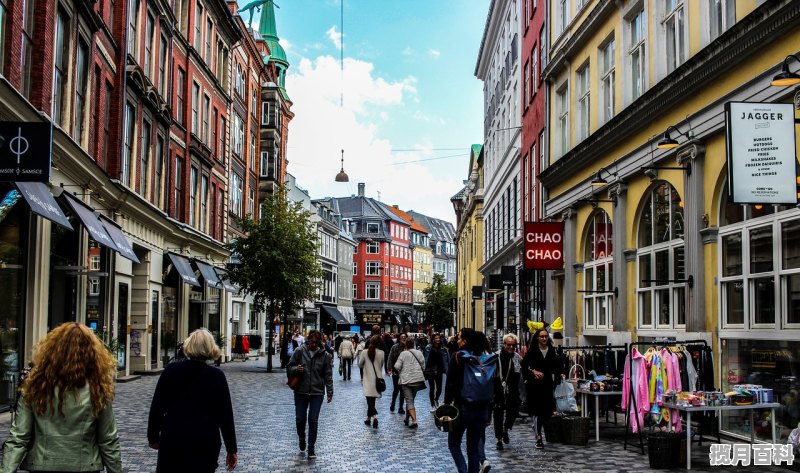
635	380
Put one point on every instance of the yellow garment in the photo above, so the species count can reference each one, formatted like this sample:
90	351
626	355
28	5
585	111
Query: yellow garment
534	326
557	324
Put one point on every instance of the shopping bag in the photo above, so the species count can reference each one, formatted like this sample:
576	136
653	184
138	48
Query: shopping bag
565	398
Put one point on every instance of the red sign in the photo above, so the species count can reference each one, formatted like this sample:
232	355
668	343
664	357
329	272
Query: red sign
544	245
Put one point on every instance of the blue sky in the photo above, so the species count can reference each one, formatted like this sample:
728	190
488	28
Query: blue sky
409	84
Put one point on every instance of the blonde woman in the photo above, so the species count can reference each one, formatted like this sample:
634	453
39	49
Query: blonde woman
190	408
66	401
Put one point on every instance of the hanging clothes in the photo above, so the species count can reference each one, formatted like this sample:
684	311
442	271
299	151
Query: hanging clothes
635	398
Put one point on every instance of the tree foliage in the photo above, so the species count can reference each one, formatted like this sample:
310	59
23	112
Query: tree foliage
438	299
278	255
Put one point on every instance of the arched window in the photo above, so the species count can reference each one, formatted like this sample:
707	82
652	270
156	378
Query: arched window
598	273
661	266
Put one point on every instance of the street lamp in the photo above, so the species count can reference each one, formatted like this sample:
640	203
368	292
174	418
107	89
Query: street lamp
786	77
598	178
668	142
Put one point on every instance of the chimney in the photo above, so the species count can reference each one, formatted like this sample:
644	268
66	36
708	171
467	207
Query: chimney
396	206
361	189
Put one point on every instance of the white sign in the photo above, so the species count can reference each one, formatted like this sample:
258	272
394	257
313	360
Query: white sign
761	153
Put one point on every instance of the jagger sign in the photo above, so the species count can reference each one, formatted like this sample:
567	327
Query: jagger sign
544	246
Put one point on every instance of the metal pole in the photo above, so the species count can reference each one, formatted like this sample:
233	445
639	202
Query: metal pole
474	319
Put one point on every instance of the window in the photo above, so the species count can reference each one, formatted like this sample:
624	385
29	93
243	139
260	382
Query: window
355	268
534	70
355	290
61	61
673	25
133	20
81	74
198	27
636	52
563	15
251	201
149	30
264	164
598	273
607	81
373	247
178	188
583	102
144	158
195	108
162	66
127	154
373	268
203	202
252	156
265	113
192	195
158	172
542	52
253	101
220	199
238	136
562	102
237	194
180	98
373	228
222	133
214	125
107	117
206	115
661	267
28	22
373	290
209	30
722	15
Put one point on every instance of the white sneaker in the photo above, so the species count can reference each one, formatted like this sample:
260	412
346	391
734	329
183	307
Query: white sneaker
433	408
485	466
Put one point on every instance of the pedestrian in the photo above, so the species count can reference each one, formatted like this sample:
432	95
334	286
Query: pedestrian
191	406
346	354
371	366
452	345
540	369
394	353
359	350
313	364
410	365
506	399
64	419
474	417
299	339
437	360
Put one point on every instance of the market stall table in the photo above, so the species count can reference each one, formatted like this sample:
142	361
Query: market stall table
596	394
689	409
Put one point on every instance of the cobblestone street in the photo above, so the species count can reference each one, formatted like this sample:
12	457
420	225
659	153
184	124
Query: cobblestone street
268	443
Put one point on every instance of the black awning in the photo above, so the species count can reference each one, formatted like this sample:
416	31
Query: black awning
123	245
184	268
41	202
334	313
407	320
89	220
398	319
226	283
208	273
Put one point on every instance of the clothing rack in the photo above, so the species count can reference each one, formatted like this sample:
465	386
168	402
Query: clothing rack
593	347
632	392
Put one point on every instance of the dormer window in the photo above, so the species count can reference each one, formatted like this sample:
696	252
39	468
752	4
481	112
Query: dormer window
373	228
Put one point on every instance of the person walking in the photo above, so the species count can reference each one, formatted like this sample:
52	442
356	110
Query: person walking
346	354
360	346
313	364
410	366
371	366
191	406
506	398
394	353
540	368
437	360
64	419
474	417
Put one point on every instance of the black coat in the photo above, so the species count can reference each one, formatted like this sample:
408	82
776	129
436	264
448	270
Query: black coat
540	402
190	407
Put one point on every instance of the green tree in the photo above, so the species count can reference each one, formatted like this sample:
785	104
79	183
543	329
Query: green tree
278	259
438	299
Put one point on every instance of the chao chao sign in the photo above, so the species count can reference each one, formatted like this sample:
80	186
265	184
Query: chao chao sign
544	246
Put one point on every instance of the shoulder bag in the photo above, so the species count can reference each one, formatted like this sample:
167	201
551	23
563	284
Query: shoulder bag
380	383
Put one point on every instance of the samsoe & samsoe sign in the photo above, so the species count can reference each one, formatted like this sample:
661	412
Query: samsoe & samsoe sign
761	153
544	245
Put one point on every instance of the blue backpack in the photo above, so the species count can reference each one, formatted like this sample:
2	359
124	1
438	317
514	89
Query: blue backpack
480	373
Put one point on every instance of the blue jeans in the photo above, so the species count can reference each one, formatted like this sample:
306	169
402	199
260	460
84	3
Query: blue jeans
306	408
473	422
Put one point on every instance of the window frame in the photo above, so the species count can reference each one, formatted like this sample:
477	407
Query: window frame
607	80
582	77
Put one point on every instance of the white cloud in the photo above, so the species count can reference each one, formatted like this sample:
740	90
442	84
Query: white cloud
434	53
322	127
287	45
408	51
334	36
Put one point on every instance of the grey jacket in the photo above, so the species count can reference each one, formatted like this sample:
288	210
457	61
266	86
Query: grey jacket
318	375
76	442
409	364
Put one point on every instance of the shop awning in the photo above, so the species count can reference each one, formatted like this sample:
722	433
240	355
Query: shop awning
89	220
398	319
347	312
41	202
226	283
208	273
334	313
184	268
407	320
123	244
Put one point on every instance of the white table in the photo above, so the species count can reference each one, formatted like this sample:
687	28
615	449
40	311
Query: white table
597	395
689	409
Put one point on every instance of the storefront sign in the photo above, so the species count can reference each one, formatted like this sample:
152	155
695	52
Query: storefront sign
761	153
372	318
544	245
25	156
763	359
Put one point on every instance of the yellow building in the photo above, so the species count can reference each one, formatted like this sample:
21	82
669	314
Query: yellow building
654	246
468	206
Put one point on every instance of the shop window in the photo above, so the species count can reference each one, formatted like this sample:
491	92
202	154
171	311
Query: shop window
598	273
13	238
661	266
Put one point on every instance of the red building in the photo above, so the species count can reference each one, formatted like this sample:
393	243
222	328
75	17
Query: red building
534	141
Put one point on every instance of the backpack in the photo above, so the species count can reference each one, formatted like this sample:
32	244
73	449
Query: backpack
480	373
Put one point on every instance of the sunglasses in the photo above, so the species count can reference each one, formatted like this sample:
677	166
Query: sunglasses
510	344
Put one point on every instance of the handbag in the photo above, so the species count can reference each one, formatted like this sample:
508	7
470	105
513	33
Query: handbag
294	381
380	383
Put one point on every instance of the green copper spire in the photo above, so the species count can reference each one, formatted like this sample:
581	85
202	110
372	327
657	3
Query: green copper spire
266	27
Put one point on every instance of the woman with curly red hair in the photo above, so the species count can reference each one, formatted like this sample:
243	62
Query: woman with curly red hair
66	401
